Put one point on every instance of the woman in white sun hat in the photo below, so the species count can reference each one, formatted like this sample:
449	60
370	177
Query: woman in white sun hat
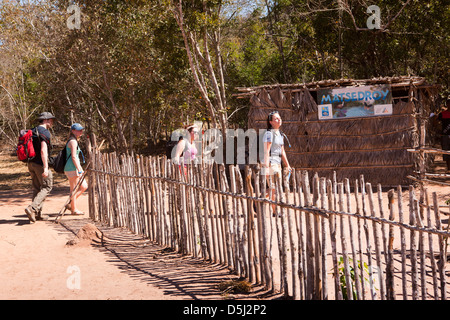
186	147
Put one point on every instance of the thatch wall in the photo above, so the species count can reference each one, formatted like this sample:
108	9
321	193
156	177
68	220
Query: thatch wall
373	146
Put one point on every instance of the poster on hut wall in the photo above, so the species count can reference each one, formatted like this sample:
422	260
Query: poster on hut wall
354	102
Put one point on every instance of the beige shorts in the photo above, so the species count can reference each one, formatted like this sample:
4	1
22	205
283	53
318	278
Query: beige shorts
71	174
270	173
272	170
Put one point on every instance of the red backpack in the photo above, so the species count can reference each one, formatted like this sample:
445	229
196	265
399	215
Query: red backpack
25	148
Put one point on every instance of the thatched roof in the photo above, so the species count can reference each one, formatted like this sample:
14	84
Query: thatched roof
399	82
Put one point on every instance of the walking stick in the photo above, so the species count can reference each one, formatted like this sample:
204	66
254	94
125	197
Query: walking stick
64	208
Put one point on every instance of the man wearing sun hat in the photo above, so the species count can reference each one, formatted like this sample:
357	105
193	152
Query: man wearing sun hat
41	175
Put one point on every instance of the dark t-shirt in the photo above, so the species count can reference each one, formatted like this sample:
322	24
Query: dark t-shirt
444	117
44	135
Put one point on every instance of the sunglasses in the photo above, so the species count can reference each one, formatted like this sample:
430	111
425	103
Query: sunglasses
270	116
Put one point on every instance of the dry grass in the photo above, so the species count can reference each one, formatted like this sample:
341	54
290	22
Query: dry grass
235	286
14	174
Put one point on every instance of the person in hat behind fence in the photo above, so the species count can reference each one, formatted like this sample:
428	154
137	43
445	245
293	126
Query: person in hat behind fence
186	148
41	175
73	168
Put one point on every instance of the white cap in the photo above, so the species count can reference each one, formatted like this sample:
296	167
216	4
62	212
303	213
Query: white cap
193	127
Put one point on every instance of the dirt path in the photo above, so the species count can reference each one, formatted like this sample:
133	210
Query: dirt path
36	263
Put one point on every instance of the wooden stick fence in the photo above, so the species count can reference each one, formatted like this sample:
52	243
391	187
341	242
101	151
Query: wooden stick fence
325	239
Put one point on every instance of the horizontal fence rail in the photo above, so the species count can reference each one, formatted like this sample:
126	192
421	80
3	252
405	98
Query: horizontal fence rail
318	239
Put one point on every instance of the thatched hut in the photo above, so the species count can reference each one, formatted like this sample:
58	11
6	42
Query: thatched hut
374	145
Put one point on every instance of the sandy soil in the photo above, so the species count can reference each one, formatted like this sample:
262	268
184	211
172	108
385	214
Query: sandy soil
36	263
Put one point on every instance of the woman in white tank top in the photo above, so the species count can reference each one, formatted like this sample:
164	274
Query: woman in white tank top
187	148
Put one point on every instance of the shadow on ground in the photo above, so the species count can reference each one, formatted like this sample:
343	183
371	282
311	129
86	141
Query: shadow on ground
182	277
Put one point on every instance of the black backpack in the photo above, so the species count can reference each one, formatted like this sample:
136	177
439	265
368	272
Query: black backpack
59	162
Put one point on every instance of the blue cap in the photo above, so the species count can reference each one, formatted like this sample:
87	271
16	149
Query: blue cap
76	126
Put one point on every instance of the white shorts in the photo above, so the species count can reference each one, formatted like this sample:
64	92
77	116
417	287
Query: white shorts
272	170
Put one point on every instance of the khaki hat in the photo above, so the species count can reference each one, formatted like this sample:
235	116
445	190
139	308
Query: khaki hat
46	116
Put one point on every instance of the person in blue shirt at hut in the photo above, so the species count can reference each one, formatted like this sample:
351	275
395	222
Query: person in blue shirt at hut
274	153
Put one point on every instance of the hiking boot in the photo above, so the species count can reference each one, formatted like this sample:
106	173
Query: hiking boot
41	217
31	213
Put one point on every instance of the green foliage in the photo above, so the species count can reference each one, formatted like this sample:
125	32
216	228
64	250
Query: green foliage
363	269
126	69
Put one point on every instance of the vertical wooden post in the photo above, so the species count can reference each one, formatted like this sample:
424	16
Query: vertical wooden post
91	190
184	218
377	244
284	236
422	264
292	236
200	211
234	224
332	225
164	196
261	230
413	251
252	249
356	269
317	242
348	279
442	257
265	220
403	242
301	238
323	204
206	212
170	204
217	218
368	242
225	215
390	288
310	267
430	244
360	269
383	226
242	225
